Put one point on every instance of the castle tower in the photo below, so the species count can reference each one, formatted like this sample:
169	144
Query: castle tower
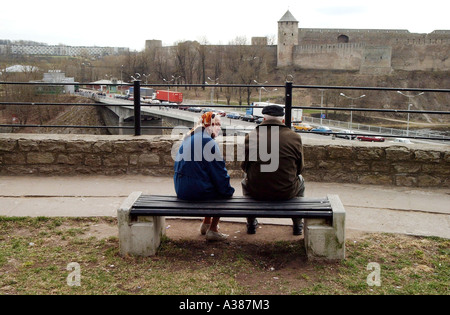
287	39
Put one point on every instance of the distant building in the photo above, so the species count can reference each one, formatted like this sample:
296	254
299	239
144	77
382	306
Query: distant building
56	76
60	50
110	86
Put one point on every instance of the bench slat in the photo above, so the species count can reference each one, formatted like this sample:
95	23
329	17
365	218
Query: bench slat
234	207
165	205
234	200
231	213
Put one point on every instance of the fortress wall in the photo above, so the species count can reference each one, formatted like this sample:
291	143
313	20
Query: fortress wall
373	37
372	51
332	56
424	57
329	36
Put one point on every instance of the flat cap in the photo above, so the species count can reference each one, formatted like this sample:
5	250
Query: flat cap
273	110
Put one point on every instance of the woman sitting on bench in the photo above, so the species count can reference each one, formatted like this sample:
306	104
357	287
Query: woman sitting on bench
200	172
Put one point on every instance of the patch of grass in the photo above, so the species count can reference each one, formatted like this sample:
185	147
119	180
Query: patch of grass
35	253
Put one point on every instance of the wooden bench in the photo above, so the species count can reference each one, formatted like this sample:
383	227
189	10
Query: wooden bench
141	220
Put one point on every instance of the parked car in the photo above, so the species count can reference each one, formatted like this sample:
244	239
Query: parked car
233	115
183	107
205	110
221	113
302	126
322	129
346	134
371	138
402	140
259	120
249	118
195	109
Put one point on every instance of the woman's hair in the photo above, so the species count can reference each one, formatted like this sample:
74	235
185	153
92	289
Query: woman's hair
208	119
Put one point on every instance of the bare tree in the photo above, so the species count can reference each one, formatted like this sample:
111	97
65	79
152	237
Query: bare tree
186	59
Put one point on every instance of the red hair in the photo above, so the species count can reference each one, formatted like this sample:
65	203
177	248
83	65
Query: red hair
208	119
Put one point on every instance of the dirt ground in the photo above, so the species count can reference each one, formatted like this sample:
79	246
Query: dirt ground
189	229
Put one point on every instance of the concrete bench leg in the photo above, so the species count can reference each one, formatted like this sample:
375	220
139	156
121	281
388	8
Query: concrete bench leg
141	237
323	240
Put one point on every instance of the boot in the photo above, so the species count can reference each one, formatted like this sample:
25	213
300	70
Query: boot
252	224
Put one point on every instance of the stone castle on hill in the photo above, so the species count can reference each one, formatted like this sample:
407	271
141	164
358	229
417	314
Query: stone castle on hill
367	51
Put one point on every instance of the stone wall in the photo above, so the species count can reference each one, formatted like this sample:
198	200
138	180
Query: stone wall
326	161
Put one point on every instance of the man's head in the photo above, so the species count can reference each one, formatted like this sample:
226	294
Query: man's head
273	112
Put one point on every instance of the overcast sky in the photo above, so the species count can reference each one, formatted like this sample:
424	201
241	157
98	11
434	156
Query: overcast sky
122	24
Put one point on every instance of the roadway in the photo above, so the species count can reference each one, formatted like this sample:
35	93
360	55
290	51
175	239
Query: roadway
192	117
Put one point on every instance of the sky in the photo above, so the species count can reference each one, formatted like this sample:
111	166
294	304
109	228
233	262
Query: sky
124	24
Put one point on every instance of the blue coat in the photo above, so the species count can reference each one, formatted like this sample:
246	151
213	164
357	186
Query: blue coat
200	172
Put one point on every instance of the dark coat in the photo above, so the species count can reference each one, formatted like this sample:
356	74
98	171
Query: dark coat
265	178
200	172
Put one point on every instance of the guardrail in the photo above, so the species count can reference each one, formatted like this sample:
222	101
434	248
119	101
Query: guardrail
288	87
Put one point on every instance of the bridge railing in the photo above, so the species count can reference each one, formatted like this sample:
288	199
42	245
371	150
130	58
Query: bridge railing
288	88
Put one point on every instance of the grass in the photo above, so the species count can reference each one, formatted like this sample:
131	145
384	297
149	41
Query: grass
35	253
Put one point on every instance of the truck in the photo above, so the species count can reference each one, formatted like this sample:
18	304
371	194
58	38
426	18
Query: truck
257	112
169	96
146	93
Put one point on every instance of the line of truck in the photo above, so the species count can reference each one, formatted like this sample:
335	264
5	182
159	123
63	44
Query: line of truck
156	96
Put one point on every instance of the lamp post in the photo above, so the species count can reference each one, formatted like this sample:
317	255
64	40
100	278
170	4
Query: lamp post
212	89
260	88
351	106
176	82
268	99
146	77
168	82
121	79
410	97
321	105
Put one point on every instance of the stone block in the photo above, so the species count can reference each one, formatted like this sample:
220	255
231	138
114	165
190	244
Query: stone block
397	153
103	146
427	156
141	237
79	146
150	159
28	145
324	240
363	153
7	145
340	152
40	158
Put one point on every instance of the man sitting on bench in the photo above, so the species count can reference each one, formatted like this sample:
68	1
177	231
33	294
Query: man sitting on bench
274	176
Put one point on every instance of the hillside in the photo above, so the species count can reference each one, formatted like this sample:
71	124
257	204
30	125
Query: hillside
55	115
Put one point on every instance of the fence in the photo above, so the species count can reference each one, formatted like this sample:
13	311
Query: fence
288	87
368	129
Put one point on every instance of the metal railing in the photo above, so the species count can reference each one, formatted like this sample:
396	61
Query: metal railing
288	87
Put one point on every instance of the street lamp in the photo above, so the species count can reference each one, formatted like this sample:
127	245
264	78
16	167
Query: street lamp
321	105
410	97
146	77
268	99
260	88
212	89
351	106
168	82
176	82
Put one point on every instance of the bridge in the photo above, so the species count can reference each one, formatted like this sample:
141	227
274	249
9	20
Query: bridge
161	116
156	117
